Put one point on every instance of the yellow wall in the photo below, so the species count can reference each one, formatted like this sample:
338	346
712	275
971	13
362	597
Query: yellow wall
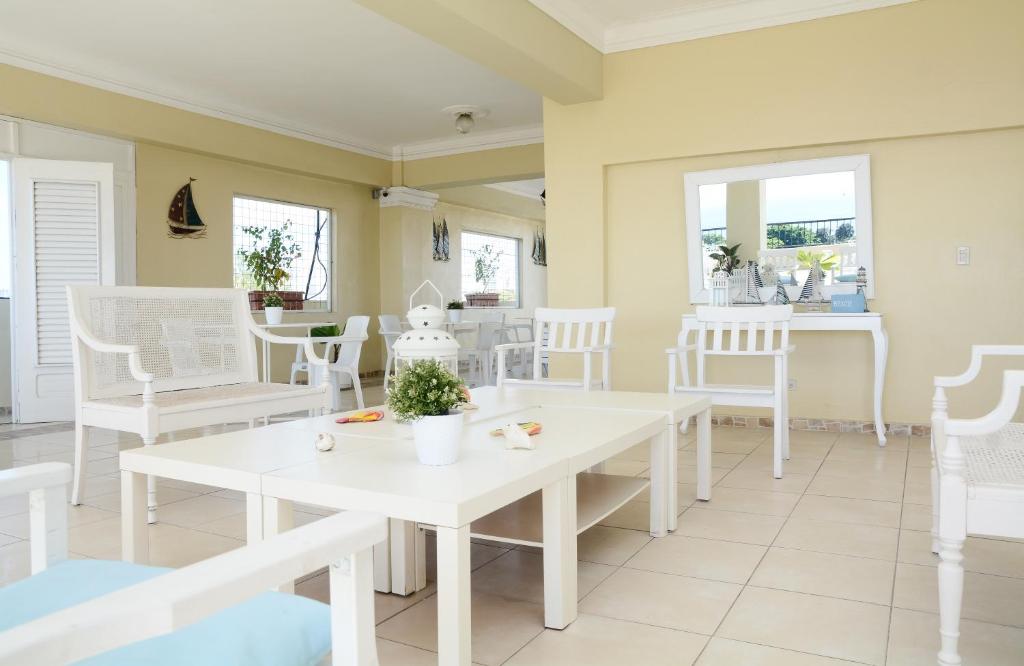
207	262
934	100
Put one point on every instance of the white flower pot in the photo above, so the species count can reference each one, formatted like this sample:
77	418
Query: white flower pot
437	438
455	316
274	315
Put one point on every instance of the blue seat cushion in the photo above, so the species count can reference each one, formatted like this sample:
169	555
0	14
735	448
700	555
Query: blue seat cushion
272	628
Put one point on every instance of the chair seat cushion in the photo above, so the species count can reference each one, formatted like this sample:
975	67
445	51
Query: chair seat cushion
272	628
225	395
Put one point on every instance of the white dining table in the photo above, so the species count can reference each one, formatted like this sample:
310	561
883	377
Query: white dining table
373	467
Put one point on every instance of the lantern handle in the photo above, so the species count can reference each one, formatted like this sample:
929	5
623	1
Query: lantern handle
440	296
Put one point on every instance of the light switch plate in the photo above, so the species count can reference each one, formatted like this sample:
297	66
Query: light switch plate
963	255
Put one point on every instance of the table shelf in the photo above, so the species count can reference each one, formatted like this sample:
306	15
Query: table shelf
597	497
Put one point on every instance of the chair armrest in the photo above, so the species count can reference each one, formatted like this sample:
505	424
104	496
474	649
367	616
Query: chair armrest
134	357
509	346
21	480
785	350
680	348
1009	401
595	348
178	598
978	352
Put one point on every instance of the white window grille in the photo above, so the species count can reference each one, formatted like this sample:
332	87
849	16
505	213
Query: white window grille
503	253
309	227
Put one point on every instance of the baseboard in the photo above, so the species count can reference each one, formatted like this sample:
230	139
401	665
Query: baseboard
822	425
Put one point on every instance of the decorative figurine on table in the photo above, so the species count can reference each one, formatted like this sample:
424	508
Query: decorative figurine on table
812	293
768	291
719	290
862	285
753	283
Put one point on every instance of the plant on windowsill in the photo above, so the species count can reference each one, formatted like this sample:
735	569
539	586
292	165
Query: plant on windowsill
428	394
485	268
268	262
455	311
273	305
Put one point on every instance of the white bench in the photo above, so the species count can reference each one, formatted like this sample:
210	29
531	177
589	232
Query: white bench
152	360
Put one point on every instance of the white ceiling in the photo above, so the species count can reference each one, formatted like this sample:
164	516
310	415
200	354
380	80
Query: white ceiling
621	25
529	189
327	70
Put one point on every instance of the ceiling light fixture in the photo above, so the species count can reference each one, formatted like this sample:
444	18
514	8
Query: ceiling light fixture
465	116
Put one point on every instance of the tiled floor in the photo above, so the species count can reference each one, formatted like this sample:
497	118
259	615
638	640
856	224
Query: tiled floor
829	565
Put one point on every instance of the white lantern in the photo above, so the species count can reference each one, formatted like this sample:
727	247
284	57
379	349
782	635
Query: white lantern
719	291
427	339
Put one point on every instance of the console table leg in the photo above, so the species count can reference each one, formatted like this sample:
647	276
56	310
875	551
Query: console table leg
881	340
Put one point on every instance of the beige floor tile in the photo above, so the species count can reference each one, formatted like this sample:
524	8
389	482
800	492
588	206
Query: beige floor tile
385	605
791	482
519	574
825	626
922	475
500	627
865	454
809	452
823	440
16	504
914	641
480	553
112	501
918	493
724	460
891	469
841	576
759	463
720	444
920	458
7	539
688	474
752	501
725	561
17	525
727	652
839	538
196	510
230	526
14	562
864	488
395	654
995	599
916	517
600	641
686	493
610	545
169	545
869	441
699	521
664	600
845	510
638	453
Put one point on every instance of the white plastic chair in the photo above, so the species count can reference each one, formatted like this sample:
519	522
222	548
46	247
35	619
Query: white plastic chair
390	330
745	332
481	355
348	355
580	332
116	614
977	483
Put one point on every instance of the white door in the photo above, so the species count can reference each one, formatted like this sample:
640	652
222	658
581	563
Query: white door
63	234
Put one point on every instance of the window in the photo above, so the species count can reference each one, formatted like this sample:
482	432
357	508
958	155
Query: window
309	228
490	265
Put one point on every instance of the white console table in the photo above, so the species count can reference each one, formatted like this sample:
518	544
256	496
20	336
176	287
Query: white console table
870	322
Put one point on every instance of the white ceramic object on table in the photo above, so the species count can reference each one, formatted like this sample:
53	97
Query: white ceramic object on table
455	316
437	438
274	315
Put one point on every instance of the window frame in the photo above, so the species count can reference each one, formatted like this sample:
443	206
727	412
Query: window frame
332	300
519	269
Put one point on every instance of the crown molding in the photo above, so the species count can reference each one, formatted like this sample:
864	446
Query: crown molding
408	197
512	188
707	19
473	142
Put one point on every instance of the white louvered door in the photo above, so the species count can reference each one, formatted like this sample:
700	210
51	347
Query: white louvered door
63	234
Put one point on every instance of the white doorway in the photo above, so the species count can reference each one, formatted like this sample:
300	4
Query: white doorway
6	281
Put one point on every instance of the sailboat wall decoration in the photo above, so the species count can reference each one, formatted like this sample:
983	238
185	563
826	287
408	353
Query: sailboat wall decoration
183	219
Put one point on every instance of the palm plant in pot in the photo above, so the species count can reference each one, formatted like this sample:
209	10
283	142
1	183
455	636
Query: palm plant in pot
427	394
273	305
455	311
268	261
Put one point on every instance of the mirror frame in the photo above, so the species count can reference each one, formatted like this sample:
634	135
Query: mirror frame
860	165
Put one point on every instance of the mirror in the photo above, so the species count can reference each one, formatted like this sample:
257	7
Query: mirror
784	217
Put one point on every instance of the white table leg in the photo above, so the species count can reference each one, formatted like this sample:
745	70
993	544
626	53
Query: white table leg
559	518
704	455
454	625
253	518
266	360
672	462
403	556
659	485
382	566
48	527
134	536
278	517
352	625
881	340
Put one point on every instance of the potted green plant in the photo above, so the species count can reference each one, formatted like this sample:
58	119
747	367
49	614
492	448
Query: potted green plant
273	305
427	394
268	262
455	311
485	268
727	258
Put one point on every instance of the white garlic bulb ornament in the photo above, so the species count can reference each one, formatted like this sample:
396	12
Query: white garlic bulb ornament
324	441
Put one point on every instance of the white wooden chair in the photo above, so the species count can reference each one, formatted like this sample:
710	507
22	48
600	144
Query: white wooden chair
390	330
977	483
575	332
152	360
217	611
745	332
